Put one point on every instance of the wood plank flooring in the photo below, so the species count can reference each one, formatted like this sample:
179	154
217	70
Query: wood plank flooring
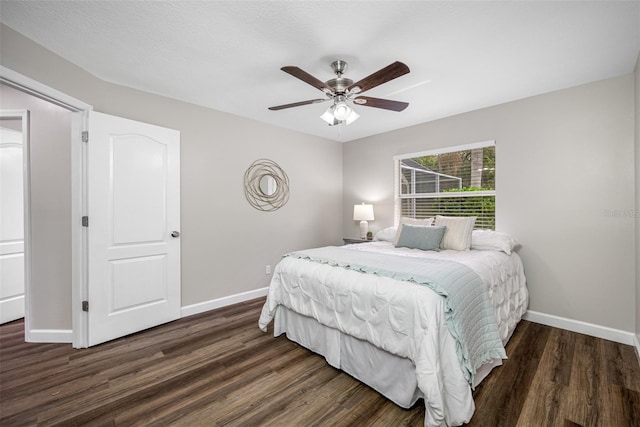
219	369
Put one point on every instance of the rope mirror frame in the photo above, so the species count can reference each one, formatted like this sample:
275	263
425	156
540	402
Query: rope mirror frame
256	196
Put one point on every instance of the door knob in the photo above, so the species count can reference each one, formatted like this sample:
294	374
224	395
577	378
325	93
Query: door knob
175	234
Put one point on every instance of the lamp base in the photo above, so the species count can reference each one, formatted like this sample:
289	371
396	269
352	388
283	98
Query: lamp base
364	228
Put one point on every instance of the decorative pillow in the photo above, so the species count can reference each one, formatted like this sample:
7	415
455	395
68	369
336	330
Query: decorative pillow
412	221
489	240
423	237
386	234
458	234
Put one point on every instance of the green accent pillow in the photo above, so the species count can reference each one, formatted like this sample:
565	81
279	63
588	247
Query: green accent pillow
423	237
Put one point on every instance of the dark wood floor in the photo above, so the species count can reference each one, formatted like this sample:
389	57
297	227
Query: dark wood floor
218	368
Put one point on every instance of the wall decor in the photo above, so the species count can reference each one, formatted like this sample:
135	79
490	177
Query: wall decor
266	185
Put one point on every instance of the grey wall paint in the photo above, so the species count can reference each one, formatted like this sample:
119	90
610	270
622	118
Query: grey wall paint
225	242
565	160
637	211
50	157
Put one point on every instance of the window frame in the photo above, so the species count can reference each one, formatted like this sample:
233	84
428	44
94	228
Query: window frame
398	196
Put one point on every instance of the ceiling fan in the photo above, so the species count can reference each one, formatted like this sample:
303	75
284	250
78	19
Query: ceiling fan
342	91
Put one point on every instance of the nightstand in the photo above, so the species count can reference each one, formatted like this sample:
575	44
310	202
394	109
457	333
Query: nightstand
349	241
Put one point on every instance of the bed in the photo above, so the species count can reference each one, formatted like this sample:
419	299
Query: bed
386	313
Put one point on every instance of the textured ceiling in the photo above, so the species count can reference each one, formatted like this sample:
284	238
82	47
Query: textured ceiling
227	55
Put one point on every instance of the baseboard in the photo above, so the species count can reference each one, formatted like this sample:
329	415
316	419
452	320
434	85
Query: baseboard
201	307
637	345
597	331
49	335
66	335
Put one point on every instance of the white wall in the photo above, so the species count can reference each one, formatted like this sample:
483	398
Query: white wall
225	242
565	170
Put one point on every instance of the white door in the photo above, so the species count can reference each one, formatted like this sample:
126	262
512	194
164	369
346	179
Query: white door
11	226
133	205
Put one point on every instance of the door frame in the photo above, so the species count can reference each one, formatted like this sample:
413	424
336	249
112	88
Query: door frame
23	116
78	201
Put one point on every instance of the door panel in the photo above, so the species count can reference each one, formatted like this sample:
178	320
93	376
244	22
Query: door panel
11	226
136	282
139	185
133	205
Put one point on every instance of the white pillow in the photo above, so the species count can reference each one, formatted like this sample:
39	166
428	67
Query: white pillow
386	234
489	240
412	221
458	233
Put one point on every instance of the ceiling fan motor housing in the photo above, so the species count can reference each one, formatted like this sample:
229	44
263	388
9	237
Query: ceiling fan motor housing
340	84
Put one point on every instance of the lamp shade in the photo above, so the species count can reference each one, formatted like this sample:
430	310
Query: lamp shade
363	212
352	117
342	111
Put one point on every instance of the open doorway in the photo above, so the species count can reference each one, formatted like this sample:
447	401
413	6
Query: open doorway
47	217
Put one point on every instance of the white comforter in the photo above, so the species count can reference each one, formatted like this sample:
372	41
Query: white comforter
400	317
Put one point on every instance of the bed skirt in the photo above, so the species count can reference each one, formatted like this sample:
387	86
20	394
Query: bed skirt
392	376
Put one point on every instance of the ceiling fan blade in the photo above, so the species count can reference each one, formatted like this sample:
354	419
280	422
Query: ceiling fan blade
297	104
387	104
384	75
307	78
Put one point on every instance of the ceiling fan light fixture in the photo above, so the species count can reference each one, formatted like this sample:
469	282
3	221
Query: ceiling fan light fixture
341	109
328	116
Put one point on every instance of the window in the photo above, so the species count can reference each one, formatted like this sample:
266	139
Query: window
458	181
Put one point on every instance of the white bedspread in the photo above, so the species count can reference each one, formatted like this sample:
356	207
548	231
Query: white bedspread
400	317
503	275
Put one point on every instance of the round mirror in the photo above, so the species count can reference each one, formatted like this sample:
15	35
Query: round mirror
268	185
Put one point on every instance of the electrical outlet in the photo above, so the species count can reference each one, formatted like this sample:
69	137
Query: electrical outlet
267	270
